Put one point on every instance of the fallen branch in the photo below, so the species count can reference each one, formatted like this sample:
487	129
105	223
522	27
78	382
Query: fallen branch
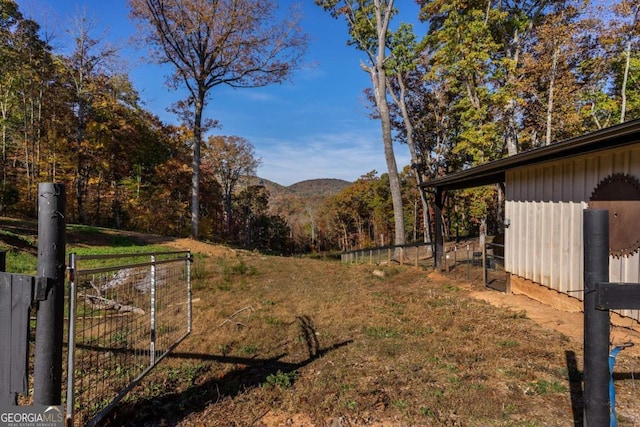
107	304
230	318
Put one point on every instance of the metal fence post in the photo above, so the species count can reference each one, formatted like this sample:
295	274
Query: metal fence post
596	322
189	292
152	347
9	398
468	265
50	311
485	273
455	261
71	346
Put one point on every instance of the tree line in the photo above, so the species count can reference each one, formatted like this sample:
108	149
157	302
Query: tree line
76	118
488	79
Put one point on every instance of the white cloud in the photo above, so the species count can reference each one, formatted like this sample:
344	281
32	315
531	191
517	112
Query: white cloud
346	155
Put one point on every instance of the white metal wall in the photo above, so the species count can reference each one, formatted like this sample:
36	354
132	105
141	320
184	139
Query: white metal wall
544	204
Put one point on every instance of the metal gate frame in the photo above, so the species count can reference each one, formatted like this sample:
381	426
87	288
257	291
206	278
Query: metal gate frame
149	305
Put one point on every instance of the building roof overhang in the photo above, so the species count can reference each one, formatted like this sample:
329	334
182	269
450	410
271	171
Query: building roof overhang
495	172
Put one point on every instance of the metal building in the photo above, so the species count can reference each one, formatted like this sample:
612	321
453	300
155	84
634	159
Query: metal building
546	190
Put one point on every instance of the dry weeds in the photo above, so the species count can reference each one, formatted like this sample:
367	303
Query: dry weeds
301	342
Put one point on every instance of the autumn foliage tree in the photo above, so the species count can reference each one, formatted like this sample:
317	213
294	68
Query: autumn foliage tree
491	79
227	159
238	43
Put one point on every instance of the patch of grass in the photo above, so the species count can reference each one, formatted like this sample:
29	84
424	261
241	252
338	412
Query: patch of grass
20	262
250	349
136	250
522	314
401	404
427	412
198	270
281	379
379	332
224	349
25	239
231	271
451	288
542	387
239	269
274	321
350	404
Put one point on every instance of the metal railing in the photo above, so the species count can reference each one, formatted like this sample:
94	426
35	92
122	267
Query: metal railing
123	319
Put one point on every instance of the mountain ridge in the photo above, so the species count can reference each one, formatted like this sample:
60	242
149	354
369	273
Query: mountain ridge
317	187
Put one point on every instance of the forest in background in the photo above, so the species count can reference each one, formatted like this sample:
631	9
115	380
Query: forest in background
490	79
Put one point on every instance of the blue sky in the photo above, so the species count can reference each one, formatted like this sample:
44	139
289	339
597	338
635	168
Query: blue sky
315	126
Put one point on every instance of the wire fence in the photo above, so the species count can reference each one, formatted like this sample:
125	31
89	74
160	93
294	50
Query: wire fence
123	319
417	254
464	259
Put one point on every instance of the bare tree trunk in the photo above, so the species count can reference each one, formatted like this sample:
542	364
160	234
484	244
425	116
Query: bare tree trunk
552	81
227	210
392	168
195	177
623	107
4	109
379	80
511	137
400	100
80	172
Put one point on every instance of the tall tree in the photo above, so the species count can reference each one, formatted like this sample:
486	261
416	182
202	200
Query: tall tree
10	17
463	59
403	72
368	22
89	59
550	65
628	12
227	159
239	43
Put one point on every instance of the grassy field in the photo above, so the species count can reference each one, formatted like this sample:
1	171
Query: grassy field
303	342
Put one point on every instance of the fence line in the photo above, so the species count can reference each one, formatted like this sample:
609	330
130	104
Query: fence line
457	258
108	355
417	254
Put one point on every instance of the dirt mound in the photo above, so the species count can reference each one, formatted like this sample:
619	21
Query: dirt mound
203	248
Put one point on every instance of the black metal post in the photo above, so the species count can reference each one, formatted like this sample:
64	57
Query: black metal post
438	247
596	322
50	312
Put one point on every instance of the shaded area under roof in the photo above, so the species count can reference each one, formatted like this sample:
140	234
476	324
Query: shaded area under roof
494	172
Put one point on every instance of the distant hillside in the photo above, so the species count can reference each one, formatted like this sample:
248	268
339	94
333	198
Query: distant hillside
311	188
300	203
318	187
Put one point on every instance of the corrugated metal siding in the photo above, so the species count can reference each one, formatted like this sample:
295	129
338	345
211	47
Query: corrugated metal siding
544	207
544	243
